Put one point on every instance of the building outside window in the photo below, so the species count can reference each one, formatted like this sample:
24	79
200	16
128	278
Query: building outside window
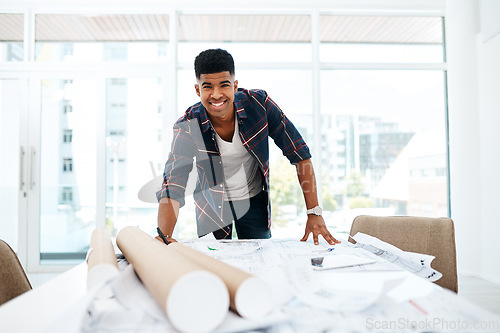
67	195
67	136
67	164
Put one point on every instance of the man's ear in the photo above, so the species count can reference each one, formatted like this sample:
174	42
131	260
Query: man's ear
235	86
197	88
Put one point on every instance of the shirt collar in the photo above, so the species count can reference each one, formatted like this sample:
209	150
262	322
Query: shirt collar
205	121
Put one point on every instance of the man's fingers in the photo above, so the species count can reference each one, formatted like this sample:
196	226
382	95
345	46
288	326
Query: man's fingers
315	238
305	237
330	239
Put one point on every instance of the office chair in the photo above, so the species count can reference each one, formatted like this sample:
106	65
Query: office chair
432	236
13	279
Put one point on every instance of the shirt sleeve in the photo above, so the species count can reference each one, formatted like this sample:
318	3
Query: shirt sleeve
178	165
283	131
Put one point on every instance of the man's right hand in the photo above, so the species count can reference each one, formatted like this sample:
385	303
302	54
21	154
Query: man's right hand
169	239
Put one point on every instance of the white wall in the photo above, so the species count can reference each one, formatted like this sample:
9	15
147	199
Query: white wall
462	27
474	115
489	150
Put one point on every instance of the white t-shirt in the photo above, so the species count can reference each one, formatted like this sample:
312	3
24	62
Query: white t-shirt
241	171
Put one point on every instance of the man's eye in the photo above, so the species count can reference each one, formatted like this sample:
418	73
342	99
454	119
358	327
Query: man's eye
225	85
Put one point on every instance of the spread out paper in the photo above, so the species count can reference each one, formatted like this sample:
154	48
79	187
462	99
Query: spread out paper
250	296
101	260
417	263
194	299
339	261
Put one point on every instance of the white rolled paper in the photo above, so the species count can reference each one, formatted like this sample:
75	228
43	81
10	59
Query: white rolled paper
101	260
250	296
194	299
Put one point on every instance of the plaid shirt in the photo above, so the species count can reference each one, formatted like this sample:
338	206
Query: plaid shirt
259	118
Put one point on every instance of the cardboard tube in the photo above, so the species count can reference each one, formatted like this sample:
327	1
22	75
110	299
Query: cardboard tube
101	259
250	296
194	299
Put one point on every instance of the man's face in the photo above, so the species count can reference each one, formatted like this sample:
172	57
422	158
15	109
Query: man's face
216	92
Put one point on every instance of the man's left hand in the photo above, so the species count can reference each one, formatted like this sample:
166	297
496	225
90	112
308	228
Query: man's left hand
317	226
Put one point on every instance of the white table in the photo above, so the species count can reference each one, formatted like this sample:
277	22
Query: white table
413	305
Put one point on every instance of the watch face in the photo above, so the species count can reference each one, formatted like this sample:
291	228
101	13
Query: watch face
316	211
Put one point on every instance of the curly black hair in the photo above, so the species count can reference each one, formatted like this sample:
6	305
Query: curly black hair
213	61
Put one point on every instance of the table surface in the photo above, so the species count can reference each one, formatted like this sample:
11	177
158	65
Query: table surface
330	300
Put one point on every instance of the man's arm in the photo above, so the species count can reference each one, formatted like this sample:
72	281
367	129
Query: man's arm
315	224
168	211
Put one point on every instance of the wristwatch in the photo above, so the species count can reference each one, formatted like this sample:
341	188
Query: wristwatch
315	210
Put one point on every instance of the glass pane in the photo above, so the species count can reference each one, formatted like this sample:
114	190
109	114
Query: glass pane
134	150
68	168
245	28
11	37
381	39
249	38
87	38
250	52
381	53
384	144
10	155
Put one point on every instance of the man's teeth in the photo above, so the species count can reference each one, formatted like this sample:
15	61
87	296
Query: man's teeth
218	104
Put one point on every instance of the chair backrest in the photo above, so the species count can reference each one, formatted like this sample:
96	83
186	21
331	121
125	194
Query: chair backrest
432	236
13	279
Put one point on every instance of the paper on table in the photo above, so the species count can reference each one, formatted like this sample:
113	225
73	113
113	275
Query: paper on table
339	261
419	264
194	299
132	309
312	291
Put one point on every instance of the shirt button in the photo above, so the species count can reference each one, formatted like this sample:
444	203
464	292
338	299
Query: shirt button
220	207
221	185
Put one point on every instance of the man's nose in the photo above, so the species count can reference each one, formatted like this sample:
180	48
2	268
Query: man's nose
216	93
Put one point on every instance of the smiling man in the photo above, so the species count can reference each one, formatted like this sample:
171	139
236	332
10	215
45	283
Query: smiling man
227	135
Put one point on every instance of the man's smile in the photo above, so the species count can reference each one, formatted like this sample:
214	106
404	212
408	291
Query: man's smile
217	105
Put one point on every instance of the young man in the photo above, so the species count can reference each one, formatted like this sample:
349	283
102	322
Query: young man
227	134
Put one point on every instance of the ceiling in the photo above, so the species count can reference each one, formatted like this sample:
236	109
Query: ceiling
236	28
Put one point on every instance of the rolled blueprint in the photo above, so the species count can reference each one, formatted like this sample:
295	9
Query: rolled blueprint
250	296
101	259
194	299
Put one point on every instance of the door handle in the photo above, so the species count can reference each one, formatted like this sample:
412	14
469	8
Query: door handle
21	168
32	161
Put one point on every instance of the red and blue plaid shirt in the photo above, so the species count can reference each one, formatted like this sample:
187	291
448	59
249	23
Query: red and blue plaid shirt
259	118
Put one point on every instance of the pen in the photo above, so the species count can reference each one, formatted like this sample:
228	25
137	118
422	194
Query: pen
162	235
325	250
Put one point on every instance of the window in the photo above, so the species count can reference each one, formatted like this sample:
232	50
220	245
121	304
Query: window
367	105
11	37
131	143
381	39
68	108
249	38
68	136
66	195
389	135
95	38
67	192
67	164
